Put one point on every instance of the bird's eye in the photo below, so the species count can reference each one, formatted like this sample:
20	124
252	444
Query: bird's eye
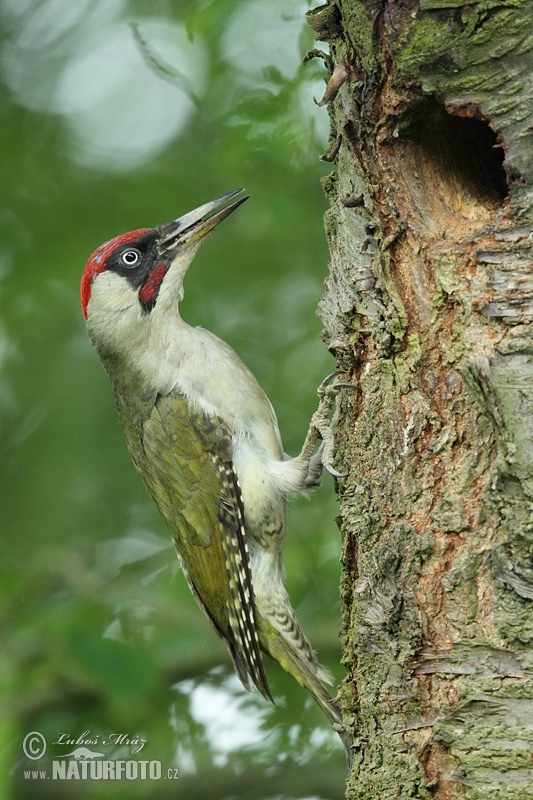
131	257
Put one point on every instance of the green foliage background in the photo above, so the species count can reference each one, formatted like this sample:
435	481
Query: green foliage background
117	115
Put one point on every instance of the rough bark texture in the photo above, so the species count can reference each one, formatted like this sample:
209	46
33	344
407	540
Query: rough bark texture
429	308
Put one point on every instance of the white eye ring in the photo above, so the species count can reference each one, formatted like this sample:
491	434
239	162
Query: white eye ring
130	257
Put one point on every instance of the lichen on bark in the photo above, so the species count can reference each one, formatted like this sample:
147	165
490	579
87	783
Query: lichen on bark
429	308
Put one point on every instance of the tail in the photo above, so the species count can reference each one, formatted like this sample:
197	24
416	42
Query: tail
294	653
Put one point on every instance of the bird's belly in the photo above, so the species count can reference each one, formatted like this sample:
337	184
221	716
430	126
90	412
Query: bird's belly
264	505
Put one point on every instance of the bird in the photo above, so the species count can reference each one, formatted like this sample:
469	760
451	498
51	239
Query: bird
205	440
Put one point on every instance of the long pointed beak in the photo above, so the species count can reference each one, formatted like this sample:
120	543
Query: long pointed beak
196	224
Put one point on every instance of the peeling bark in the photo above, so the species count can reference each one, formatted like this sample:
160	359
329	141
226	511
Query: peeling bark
429	309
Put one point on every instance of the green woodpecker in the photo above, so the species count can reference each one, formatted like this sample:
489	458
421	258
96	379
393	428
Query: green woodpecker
205	440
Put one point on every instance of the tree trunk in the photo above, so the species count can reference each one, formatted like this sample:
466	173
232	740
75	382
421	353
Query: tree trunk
429	309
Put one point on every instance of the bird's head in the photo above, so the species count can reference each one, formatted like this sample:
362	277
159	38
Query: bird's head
140	274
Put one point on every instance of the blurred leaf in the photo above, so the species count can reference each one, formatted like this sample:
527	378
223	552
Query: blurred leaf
97	622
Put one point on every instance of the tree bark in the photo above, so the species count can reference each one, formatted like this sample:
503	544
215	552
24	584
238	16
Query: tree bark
429	309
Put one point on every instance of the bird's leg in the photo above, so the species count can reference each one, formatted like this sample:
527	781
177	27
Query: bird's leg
320	427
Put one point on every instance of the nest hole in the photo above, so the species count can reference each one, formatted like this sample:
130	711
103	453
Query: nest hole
452	165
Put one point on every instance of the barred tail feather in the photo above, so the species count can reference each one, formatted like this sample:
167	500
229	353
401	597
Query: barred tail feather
308	672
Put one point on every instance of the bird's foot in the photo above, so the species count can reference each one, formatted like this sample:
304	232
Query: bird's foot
321	427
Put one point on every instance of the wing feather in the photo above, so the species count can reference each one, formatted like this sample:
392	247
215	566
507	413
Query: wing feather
189	472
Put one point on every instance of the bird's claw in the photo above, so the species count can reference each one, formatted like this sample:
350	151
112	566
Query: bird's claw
320	428
328	381
334	472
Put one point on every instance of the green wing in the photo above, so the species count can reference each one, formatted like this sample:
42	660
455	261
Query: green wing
187	467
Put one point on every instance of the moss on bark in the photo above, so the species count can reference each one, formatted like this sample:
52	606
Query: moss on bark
429	308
